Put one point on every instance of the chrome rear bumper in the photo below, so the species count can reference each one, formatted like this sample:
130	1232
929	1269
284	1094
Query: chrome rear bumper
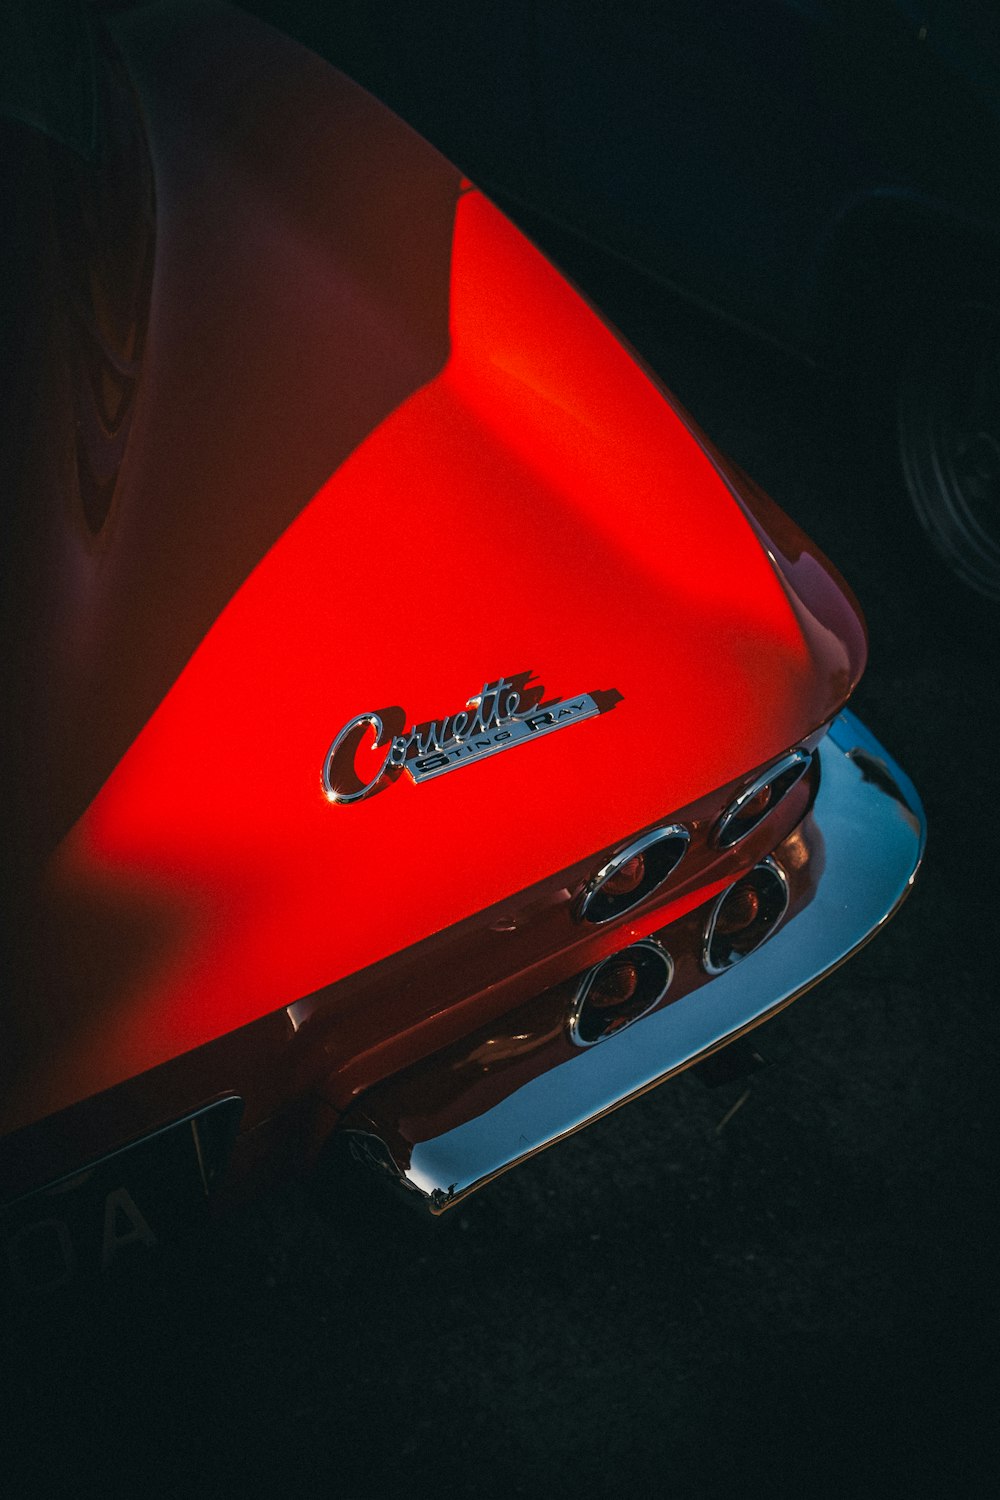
460	1118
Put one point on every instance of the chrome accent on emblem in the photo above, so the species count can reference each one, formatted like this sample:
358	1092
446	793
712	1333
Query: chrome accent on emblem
776	898
516	730
598	906
789	771
335	794
591	1024
507	712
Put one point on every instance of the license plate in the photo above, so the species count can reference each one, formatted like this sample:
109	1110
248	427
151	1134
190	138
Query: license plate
118	1209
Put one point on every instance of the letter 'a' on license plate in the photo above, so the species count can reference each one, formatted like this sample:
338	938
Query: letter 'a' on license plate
115	1210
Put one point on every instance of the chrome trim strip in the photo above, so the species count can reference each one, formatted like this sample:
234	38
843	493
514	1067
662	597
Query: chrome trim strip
872	829
800	758
706	946
579	999
211	1150
638	846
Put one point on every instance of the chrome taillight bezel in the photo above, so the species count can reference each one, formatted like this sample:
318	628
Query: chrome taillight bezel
789	770
777	875
647	949
590	907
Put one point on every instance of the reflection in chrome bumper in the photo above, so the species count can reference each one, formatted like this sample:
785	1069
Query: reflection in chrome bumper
443	1128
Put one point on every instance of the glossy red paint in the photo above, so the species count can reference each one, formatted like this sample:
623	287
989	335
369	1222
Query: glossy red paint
528	498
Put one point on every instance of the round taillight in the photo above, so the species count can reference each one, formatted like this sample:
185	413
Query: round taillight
760	803
744	915
633	874
739	910
628	877
619	991
614	986
757	800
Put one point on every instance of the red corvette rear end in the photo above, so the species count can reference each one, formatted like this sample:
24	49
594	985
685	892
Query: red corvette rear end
384	501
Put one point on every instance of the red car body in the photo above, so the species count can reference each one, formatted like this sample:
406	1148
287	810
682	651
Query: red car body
373	464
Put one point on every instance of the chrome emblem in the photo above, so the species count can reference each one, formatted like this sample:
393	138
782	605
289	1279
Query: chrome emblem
508	712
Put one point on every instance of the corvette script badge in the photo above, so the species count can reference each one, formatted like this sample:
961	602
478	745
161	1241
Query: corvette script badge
510	711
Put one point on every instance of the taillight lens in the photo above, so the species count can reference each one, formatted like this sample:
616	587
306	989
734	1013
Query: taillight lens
627	878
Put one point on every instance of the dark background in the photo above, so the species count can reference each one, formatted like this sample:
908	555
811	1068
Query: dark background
784	1286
